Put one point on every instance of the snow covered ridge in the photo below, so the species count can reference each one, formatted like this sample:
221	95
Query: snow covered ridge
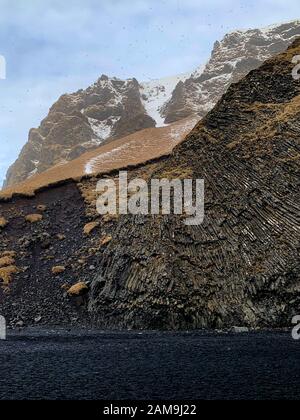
112	108
156	93
93	164
232	58
268	30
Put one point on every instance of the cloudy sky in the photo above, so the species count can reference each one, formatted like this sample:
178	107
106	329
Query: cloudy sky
52	47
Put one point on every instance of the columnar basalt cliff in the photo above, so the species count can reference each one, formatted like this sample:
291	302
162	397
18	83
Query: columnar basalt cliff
240	267
112	108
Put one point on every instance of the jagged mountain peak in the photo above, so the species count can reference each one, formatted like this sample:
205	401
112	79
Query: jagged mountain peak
156	93
112	108
232	58
81	121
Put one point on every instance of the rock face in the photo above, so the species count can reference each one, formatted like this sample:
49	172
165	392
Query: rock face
112	108
239	268
80	122
135	149
232	59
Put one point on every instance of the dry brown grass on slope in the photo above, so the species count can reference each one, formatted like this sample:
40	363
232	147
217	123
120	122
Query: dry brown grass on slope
58	270
78	289
7	268
3	222
6	261
6	274
33	218
131	150
89	227
272	126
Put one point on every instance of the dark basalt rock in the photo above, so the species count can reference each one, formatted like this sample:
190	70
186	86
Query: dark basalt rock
239	268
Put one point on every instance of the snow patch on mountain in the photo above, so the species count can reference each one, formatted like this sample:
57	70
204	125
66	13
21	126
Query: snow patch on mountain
93	164
232	58
156	93
102	129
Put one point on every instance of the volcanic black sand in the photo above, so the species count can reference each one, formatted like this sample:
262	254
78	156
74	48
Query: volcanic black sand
57	364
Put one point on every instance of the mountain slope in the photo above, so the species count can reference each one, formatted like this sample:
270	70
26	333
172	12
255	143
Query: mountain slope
157	93
137	148
232	59
112	108
79	122
240	267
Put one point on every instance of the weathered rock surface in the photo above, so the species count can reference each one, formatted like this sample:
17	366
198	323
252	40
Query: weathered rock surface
79	122
239	268
113	108
132	150
232	59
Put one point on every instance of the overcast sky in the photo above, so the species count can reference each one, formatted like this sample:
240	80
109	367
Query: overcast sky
54	46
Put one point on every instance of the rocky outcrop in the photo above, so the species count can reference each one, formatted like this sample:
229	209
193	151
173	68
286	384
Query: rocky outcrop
113	108
239	268
137	148
79	122
82	121
232	59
